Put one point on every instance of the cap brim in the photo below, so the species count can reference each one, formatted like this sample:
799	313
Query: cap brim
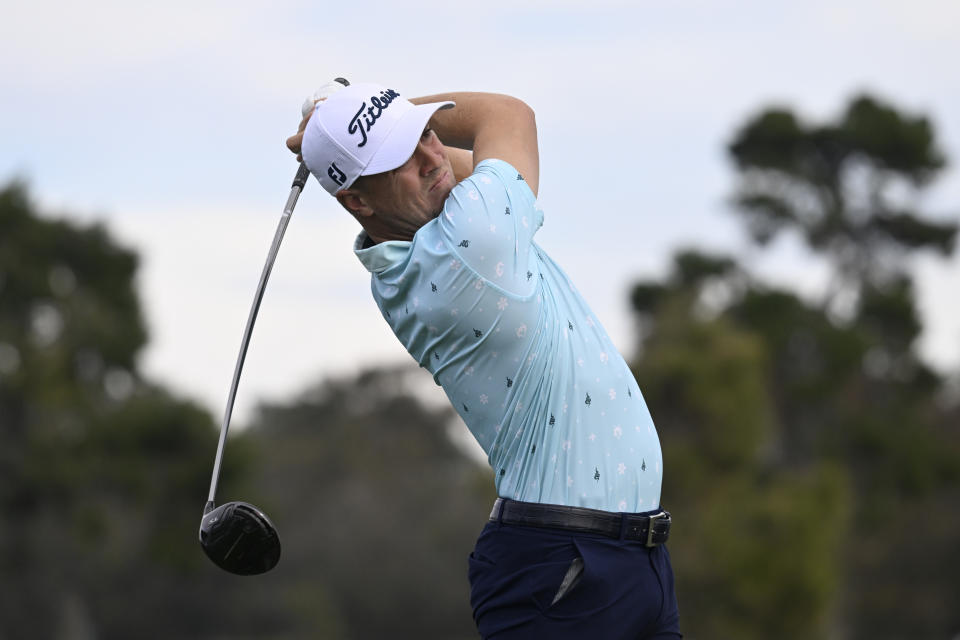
402	140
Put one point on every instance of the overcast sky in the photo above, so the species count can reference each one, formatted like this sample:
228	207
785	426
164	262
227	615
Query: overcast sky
167	121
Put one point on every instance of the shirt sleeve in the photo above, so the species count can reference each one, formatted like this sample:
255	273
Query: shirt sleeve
489	221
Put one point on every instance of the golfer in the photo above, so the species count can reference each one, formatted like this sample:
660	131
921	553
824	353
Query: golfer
444	188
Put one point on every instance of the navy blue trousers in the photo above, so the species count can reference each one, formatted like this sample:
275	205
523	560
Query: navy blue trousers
532	582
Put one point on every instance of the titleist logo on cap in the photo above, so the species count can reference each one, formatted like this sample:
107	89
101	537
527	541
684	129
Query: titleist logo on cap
370	114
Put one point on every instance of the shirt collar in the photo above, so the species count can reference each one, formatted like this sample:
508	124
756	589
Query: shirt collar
382	256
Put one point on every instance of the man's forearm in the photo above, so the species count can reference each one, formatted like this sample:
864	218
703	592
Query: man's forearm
459	127
461	160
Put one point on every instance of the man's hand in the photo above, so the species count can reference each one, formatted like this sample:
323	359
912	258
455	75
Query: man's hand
295	141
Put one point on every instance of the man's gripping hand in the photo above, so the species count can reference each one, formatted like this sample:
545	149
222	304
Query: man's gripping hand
295	141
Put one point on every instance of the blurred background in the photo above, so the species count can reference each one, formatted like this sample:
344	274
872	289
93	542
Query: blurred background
759	200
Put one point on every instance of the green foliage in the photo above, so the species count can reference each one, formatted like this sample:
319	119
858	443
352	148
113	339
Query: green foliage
692	268
756	556
836	184
794	448
67	294
889	314
377	506
101	474
709	386
685	365
891	140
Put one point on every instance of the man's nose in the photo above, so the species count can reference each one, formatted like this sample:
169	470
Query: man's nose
431	157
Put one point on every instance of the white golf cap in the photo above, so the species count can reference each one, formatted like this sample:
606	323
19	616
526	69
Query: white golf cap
361	130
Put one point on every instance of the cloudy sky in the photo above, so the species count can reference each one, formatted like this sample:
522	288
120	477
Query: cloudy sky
166	121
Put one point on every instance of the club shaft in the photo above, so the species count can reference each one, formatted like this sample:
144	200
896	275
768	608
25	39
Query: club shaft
299	182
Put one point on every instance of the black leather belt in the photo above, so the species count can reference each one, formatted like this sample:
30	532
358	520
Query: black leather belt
651	530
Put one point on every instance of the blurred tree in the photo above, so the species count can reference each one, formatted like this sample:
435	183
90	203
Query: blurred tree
102	475
852	385
69	330
707	383
811	449
794	453
844	185
379	509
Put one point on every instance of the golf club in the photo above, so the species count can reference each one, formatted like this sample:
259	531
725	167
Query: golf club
237	536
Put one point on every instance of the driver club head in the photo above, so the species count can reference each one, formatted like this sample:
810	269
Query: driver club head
239	538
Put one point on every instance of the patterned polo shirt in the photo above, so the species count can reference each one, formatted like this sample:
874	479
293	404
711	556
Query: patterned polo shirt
518	352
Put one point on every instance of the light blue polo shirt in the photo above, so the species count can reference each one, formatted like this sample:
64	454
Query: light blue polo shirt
518	352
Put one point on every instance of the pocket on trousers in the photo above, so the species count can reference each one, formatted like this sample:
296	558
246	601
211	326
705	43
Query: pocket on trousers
576	593
570	580
478	567
480	559
535	578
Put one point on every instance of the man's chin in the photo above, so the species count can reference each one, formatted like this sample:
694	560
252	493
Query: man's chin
442	195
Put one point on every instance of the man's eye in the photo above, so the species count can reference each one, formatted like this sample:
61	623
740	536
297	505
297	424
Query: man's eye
426	132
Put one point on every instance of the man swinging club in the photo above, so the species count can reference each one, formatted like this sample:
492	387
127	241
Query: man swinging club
445	189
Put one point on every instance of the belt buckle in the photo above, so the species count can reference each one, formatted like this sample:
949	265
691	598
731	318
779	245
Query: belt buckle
650	543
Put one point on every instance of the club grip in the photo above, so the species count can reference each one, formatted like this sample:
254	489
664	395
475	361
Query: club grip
300	180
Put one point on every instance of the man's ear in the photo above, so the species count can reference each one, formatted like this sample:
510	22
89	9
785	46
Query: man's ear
355	203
